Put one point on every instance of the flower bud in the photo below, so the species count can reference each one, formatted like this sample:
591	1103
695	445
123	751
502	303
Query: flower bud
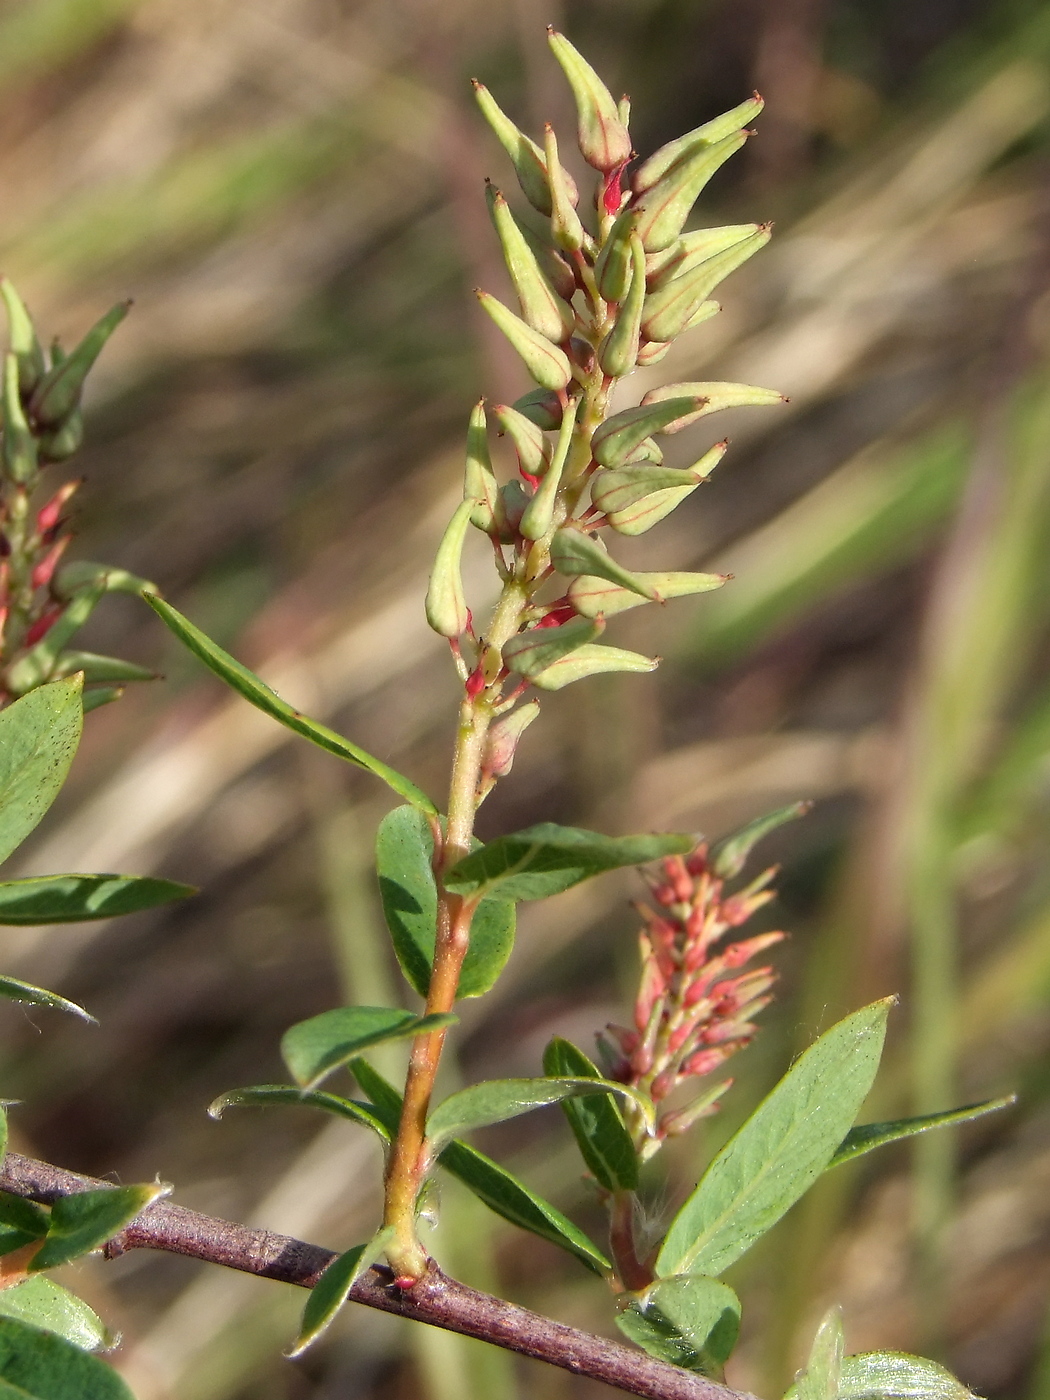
533	449
604	140
479	480
44	569
541	306
648	450
501	742
511	503
612	271
49	515
24	342
552	262
19	445
531	652
539	513
591	660
664	208
58	393
644	514
596	597
546	362
651	352
702	245
525	155
573	552
716	396
671	306
618	353
710	134
616	438
66	439
617	489
446	607
542	407
566	227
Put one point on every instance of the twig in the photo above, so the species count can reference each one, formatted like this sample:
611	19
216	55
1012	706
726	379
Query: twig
436	1299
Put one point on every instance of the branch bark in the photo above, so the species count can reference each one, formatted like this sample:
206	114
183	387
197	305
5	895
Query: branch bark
436	1299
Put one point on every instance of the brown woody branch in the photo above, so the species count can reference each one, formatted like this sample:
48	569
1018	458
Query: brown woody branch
435	1299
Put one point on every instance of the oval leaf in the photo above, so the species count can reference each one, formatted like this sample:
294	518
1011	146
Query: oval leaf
15	990
690	1320
596	1121
63	899
39	735
332	1289
44	1304
867	1136
496	1100
781	1149
259	694
314	1048
546	859
280	1095
41	1365
87	1220
404	861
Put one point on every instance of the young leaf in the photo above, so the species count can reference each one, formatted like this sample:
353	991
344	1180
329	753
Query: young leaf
64	899
246	683
595	1119
894	1375
278	1095
781	1149
15	990
19	1214
332	1289
386	1100
314	1048
730	856
39	735
496	1100
87	1220
38	1365
867	1136
44	1304
545	859
823	1372
404	861
689	1320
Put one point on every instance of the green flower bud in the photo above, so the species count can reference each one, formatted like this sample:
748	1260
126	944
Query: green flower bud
446	607
574	552
664	208
511	503
716	396
648	508
541	306
479	480
542	407
81	574
648	450
58	393
616	438
501	742
531	652
546	362
670	307
618	353
704	243
539	514
532	447
19	445
23	338
566	228
644	514
525	155
66	439
604	140
651	352
703	313
616	490
594	597
612	270
552	263
591	660
651	170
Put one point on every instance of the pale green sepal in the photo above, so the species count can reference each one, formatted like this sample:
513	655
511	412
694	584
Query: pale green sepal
594	597
533	449
18	444
479	480
823	1371
690	1321
39	735
591	660
541	306
38	664
615	439
446	606
695	247
247	684
82	1223
566	228
702	314
546	362
534	651
665	205
618	352
14	990
332	1289
23	339
867	1136
716	396
620	487
573	552
712	132
644	514
612	270
58	393
42	1303
539	513
651	352
604	140
678	302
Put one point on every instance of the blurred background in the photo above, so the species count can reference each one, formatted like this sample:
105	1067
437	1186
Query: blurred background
292	192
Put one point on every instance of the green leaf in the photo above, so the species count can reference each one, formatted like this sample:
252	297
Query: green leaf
332	1289
87	1220
386	1100
38	1364
894	1375
314	1048
19	1214
404	861
276	1095
39	735
867	1136
260	695
781	1149
45	1304
496	1100
823	1372
596	1120
546	859
15	990
689	1320
63	899
730	856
